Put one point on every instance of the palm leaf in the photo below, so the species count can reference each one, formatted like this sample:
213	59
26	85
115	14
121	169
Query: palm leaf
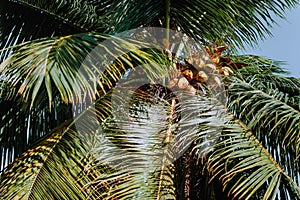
51	167
258	65
78	156
18	25
245	167
235	22
83	15
20	128
265	75
150	136
54	79
261	110
104	156
285	89
257	157
69	65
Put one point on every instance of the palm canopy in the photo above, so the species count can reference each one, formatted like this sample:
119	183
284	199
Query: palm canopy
235	22
157	144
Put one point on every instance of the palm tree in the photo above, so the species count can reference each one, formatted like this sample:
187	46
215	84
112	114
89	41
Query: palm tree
69	130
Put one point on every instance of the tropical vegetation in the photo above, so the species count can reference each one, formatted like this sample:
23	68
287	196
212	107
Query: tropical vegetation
98	104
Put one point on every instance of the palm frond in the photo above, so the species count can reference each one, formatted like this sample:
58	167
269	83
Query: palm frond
258	65
74	65
266	75
54	78
53	165
261	148
92	164
262	111
124	145
285	89
83	15
154	131
18	25
136	150
20	128
246	168
131	14
235	22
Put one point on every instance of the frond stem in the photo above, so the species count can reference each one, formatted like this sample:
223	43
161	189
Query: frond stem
167	22
168	139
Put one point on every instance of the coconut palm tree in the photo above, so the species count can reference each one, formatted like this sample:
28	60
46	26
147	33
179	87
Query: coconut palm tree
95	105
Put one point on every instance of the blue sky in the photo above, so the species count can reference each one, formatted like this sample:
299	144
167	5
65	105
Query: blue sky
285	43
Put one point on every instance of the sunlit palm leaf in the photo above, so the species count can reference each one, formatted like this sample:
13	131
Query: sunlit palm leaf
100	155
63	155
107	157
23	127
284	89
19	24
53	167
262	110
266	75
41	86
235	21
252	164
245	167
137	147
69	65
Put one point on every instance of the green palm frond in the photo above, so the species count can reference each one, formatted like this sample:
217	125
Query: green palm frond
266	75
257	156
246	168
130	14
56	79
135	150
74	65
22	127
235	22
52	167
19	181
80	14
19	24
262	111
148	137
146	142
258	65
285	89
